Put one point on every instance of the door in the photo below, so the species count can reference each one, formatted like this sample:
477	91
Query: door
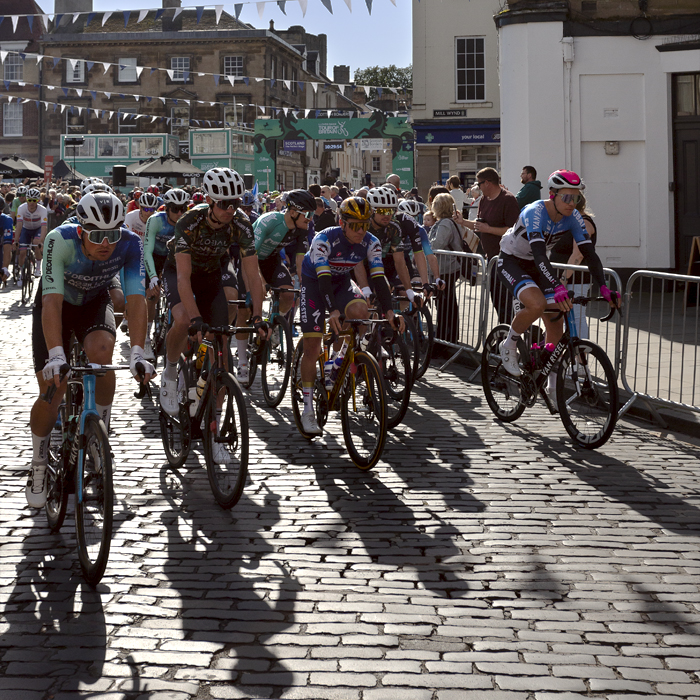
687	190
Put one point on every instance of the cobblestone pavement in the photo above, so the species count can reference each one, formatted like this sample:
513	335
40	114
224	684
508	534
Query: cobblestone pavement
477	561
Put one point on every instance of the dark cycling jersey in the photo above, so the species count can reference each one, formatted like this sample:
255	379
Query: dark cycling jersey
410	229
207	246
6	228
158	232
68	271
272	235
390	237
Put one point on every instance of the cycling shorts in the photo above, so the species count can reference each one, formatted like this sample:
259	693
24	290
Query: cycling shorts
159	262
27	235
8	237
229	275
312	309
275	272
518	274
96	315
208	293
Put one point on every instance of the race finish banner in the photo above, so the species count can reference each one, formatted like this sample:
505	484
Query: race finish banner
270	133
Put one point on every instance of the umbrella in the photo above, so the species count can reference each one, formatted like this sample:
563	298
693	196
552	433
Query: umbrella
134	167
22	167
64	170
166	166
7	170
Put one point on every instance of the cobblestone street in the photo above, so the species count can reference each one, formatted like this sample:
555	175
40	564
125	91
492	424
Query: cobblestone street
477	561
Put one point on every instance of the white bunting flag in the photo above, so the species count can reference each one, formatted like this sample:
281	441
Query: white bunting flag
162	99
231	79
287	84
285	110
218	9
303	4
341	88
258	80
201	75
105	17
109	95
306	113
80	111
170	73
262	109
349	4
97	112
314	86
79	91
178	10
63	108
15	19
153	119
105	67
142	16
137	97
73	62
367	88
394	90
45	18
75	17
139	70
187	102
3	56
111	114
261	8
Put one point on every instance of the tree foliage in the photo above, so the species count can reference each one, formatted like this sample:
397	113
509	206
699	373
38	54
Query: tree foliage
384	76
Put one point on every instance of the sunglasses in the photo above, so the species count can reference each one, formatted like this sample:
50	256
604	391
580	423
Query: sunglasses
358	225
98	236
306	214
480	182
570	198
384	211
30	201
151	209
226	204
178	209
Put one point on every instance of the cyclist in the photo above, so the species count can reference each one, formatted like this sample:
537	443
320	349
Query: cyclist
81	260
137	219
197	198
326	285
193	271
20	198
32	221
525	269
133	203
411	208
247	207
160	228
7	232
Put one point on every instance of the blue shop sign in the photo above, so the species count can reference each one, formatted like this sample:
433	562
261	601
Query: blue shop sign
294	145
437	134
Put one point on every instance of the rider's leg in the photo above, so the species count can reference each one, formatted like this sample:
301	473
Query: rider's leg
176	340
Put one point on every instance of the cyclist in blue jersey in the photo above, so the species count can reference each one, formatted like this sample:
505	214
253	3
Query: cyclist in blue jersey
247	207
327	285
80	261
525	269
408	210
7	233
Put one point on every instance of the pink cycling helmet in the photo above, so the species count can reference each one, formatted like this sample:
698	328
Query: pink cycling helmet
562	179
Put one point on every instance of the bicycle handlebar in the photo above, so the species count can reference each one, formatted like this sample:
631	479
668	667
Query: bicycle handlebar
91	368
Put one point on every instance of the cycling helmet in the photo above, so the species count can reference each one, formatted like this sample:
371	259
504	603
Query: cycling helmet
33	193
248	199
223	183
561	179
389	186
301	200
100	210
382	197
22	191
197	198
90	181
153	189
97	187
410	207
148	199
355	208
177	197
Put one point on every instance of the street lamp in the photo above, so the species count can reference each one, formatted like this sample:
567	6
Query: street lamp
74	141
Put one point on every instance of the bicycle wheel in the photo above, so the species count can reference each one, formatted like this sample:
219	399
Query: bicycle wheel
27	281
276	363
94	501
587	395
252	353
160	329
502	390
397	372
363	412
410	336
176	433
320	394
225	437
425	332
56	490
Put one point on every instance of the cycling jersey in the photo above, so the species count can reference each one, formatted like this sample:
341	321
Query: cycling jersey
32	220
207	246
68	271
6	228
158	232
390	237
427	248
133	222
410	230
272	235
534	224
333	254
16	203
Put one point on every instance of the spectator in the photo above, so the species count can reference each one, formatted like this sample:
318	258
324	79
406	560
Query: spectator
394	180
530	191
434	191
323	216
454	187
315	190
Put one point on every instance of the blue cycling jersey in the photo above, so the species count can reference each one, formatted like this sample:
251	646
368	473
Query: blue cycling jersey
6	228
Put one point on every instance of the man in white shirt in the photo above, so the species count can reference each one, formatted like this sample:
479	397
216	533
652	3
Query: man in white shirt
137	219
32	221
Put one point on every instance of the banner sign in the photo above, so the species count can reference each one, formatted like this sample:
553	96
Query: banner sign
48	168
294	145
454	135
372	144
334	145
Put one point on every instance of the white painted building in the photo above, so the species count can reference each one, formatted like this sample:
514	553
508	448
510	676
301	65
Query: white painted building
624	112
456	101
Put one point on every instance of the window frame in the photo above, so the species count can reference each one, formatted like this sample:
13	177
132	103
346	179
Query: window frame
72	111
179	73
127	66
476	86
13	118
130	127
240	70
13	60
186	126
70	79
376	164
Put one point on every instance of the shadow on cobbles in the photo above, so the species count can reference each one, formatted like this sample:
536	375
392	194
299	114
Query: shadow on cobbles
53	624
234	593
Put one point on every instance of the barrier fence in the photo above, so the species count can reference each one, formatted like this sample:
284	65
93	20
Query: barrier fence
653	344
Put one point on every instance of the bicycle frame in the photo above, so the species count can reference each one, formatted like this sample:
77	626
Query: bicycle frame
329	338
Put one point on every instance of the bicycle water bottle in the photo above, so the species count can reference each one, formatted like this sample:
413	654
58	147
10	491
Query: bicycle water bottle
545	352
201	354
201	382
332	367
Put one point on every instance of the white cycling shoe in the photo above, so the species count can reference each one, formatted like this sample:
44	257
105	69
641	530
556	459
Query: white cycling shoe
35	491
243	374
148	353
509	357
168	396
220	453
309	424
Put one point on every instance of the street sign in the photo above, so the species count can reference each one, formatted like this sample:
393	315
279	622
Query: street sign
334	145
449	113
294	145
371	144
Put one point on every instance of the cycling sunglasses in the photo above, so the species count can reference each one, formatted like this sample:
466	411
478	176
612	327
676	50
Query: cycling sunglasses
29	201
148	209
98	235
570	198
384	211
226	204
178	209
358	225
307	214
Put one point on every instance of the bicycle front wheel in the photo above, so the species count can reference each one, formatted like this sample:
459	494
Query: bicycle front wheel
502	390
94	501
425	333
397	372
276	363
176	433
587	394
27	282
226	440
363	412
56	490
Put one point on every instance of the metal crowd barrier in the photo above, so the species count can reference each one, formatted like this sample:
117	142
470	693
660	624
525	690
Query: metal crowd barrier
660	343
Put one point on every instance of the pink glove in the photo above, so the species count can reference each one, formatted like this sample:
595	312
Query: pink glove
560	294
609	296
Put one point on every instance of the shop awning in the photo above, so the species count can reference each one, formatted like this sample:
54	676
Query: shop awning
437	134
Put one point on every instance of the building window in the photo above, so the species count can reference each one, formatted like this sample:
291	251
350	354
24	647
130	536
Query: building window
273	68
209	143
285	76
376	164
233	65
127	124
14	67
470	74
112	148
180	122
12	119
76	120
180	67
146	147
686	95
127	70
75	72
295	77
85	150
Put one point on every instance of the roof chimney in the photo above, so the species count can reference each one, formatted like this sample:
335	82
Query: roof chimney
341	75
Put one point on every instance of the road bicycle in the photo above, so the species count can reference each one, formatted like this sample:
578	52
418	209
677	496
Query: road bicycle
586	387
80	462
161	325
425	334
27	273
357	392
211	406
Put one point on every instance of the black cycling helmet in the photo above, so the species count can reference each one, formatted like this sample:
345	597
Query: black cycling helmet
301	200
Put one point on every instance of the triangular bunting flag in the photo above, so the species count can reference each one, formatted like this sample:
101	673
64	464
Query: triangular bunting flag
246	80
90	17
281	4
341	89
3	56
79	91
303	4
231	79
153	70
75	17
127	14
63	108
306	113
65	91
217	77
261	8
259	80
45	18
272	82
139	70
111	114
30	22
96	112
162	99
15	19
108	95
185	76
142	16
105	17
200	12
137	97
105	67
349	4
80	111
159	13
366	87
94	94
56	59
369	6
237	9
285	110
73	62
379	91
327	5
314	86
288	85
301	86
170	72
218	9
153	119
394	90
89	65
177	12
148	99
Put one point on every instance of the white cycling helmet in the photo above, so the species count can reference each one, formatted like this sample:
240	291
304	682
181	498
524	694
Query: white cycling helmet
175	196
33	193
97	187
148	199
379	197
90	181
101	210
22	191
223	183
410	207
